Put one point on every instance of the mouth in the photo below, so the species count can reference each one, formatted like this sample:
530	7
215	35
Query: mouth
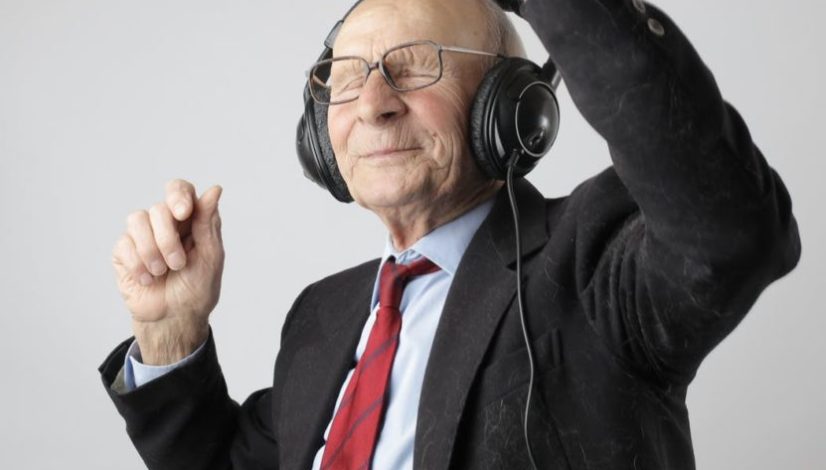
389	152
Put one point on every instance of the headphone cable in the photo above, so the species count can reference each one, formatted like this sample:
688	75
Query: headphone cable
517	234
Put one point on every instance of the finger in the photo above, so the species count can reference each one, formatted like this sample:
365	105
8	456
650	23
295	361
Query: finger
167	238
189	243
138	227
206	222
180	198
127	263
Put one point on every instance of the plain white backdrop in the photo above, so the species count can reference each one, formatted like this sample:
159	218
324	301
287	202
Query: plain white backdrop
102	102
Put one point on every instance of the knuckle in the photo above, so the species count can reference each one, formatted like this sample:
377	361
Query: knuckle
124	254
147	253
158	209
136	217
178	185
146	249
120	247
167	242
137	270
173	184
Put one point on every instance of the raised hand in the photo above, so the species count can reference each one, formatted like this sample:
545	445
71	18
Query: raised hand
168	266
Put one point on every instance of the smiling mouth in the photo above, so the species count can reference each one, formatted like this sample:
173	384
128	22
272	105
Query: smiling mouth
390	152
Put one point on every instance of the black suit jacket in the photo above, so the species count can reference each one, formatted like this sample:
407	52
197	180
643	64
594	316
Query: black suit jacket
628	283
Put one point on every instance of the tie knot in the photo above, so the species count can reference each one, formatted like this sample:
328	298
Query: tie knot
394	277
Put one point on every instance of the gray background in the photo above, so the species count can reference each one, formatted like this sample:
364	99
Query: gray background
102	102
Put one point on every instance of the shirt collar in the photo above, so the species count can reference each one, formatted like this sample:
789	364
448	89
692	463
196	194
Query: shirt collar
446	244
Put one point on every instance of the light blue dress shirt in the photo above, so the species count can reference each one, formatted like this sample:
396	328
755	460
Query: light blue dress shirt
421	308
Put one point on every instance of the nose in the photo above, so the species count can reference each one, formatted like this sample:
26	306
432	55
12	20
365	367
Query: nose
378	103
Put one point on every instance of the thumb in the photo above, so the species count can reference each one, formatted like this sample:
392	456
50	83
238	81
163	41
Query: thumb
206	222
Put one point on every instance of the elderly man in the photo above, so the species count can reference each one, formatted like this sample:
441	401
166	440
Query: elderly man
417	359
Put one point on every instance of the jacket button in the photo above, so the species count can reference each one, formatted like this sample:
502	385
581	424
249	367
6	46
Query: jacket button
656	27
639	5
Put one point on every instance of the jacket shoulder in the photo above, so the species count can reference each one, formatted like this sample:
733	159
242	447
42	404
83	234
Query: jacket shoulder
324	299
350	277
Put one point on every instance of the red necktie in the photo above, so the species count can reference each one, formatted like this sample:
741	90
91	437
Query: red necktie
356	425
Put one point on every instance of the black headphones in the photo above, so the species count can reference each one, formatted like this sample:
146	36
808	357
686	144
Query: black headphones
514	112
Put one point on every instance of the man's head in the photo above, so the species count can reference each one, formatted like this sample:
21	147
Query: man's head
408	152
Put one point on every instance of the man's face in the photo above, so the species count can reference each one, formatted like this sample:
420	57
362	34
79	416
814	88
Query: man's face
397	149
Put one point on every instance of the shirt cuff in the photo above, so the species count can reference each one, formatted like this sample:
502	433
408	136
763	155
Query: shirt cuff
136	373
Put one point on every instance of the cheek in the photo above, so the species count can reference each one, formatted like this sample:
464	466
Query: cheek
445	115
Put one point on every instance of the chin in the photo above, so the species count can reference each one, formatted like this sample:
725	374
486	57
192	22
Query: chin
384	191
380	198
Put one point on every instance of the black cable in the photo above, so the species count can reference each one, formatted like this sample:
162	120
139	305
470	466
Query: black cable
517	234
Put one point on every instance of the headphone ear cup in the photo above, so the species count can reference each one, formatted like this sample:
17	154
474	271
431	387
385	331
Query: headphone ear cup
497	109
315	152
304	147
335	182
479	134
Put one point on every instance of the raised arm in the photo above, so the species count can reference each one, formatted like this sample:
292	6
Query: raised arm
714	226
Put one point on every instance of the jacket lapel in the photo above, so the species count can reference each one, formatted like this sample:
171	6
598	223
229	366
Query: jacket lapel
484	287
320	367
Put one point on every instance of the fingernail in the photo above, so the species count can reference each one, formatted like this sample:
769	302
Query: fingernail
146	279
176	260
180	209
157	267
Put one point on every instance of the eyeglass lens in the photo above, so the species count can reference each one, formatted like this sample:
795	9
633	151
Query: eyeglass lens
407	68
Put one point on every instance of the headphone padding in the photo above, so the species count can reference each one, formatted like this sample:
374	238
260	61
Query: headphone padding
479	135
339	187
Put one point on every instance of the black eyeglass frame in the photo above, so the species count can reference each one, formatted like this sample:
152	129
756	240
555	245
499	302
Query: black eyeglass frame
379	64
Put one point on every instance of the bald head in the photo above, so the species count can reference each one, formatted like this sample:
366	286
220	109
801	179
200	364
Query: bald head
484	24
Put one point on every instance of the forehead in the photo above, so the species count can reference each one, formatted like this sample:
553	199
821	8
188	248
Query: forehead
376	25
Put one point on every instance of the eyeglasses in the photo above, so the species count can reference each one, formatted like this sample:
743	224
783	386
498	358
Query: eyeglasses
406	67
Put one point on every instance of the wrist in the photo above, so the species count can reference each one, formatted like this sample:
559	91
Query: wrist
168	344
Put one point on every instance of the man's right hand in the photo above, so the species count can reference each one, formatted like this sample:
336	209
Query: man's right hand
168	266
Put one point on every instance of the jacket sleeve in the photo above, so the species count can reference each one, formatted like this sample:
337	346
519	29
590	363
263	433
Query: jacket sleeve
185	419
713	226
